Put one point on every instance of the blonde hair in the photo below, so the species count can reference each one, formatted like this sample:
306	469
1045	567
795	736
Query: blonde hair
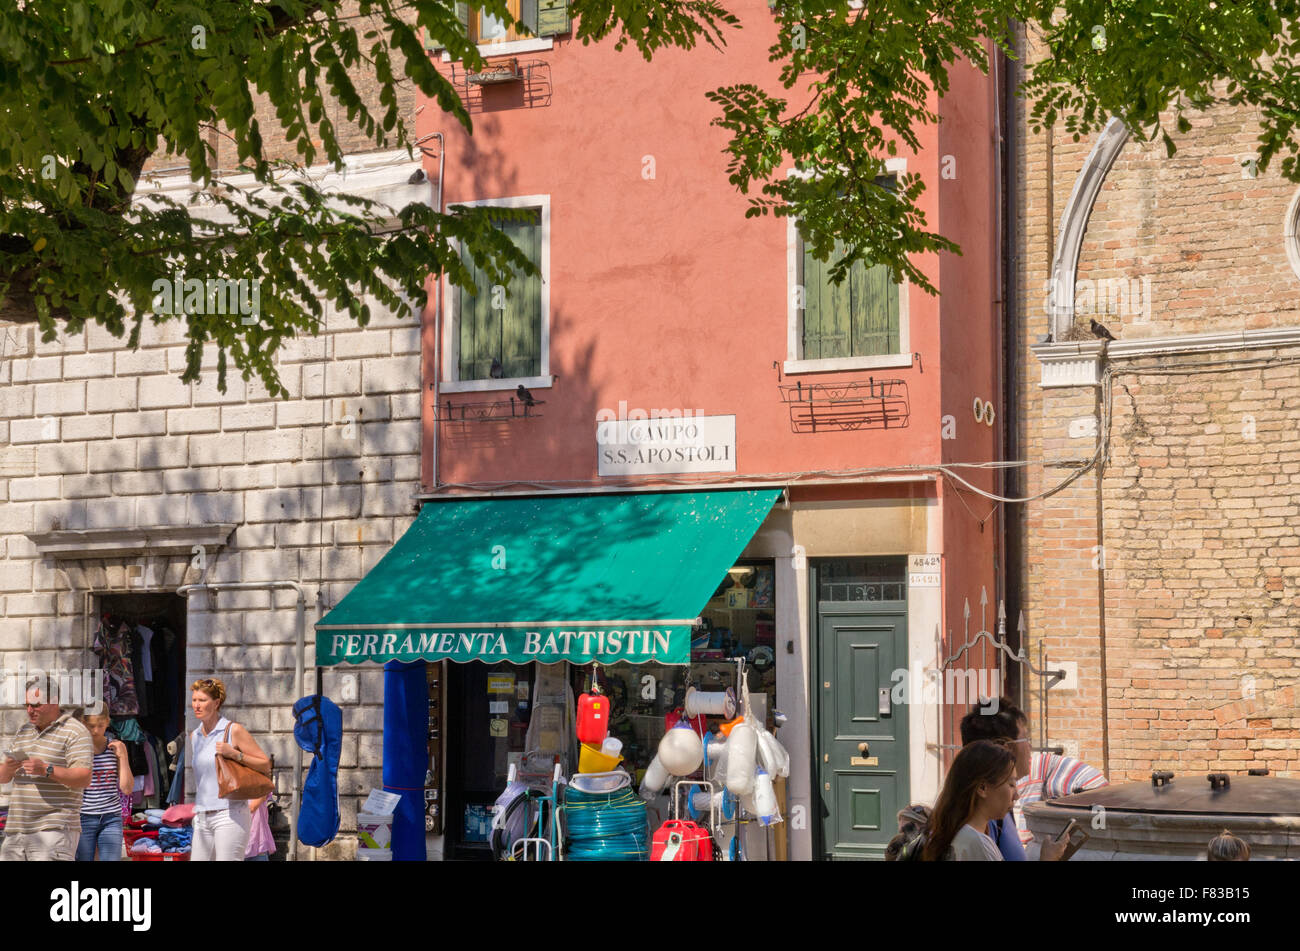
1226	847
85	717
213	687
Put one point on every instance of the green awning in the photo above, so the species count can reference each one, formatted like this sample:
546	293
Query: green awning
597	578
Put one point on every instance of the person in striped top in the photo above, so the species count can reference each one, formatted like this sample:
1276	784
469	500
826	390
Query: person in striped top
50	768
101	804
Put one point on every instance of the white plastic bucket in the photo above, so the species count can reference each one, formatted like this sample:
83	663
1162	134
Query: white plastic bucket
374	832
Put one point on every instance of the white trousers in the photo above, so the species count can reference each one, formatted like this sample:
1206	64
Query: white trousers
221	836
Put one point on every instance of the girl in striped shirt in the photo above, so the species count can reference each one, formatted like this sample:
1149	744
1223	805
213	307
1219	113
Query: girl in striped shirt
101	803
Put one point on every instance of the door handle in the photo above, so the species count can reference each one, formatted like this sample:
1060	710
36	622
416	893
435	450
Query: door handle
883	707
864	748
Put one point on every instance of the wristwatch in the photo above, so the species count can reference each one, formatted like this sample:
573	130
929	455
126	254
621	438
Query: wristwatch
49	771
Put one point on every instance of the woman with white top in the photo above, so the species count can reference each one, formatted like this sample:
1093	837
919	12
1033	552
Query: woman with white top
980	788
220	826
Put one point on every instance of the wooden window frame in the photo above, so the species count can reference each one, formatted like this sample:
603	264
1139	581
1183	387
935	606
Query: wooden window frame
450	376
795	361
476	17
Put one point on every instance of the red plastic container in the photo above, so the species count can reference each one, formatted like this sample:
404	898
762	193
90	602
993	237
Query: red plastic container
680	840
593	718
130	835
159	856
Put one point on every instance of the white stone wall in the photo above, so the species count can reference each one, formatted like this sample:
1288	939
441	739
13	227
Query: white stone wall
96	436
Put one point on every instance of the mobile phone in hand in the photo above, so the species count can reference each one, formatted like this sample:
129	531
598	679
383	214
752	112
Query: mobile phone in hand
17	755
1065	833
1077	839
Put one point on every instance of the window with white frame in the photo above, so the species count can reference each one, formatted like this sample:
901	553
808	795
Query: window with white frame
539	20
497	336
860	323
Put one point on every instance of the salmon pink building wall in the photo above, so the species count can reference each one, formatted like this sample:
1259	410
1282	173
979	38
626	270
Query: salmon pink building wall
662	294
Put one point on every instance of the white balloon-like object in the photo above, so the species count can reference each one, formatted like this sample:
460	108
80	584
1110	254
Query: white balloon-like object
681	751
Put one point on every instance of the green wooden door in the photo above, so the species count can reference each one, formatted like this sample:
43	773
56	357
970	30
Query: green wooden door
861	790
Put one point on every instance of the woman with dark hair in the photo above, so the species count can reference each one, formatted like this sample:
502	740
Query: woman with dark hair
980	788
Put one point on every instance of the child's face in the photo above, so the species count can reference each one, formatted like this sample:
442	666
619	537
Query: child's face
98	726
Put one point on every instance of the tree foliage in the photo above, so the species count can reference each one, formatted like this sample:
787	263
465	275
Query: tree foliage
864	73
91	89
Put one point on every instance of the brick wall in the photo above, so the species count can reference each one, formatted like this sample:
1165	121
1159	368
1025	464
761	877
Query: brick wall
1200	566
351	137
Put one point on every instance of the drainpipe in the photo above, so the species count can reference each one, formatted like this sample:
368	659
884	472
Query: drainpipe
300	628
1013	485
429	374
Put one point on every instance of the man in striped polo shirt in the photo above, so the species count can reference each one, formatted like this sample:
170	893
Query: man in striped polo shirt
44	808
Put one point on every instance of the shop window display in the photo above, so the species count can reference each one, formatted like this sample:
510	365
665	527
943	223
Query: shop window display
509	726
739	621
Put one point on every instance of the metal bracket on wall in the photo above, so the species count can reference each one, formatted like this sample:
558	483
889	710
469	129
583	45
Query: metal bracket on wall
489	411
858	404
527	82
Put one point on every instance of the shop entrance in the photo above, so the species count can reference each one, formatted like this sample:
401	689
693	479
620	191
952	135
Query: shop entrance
860	739
140	642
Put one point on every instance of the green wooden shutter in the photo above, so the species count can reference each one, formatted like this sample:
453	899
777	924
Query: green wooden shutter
528	15
480	328
511	333
875	311
827	324
857	318
813	280
521	318
462	14
552	17
837	322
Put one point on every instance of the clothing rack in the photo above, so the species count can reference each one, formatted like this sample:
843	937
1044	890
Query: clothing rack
143	691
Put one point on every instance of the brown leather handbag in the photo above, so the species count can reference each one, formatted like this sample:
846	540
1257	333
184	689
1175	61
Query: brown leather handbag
236	782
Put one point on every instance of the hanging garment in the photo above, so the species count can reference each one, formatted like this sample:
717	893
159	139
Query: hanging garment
135	758
146	660
171	684
319	730
127	729
177	792
162	781
150	771
141	687
112	646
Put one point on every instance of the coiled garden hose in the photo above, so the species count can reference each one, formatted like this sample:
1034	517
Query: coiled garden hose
605	827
